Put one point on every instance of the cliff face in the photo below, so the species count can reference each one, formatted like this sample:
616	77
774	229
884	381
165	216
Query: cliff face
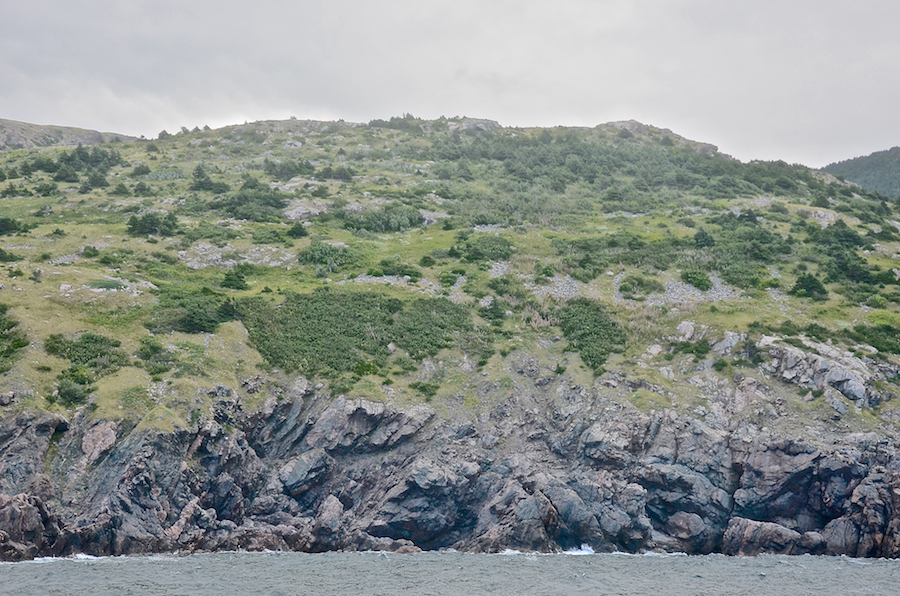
549	469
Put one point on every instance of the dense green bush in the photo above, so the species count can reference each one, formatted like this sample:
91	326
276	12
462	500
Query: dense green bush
331	333
392	218
8	257
633	286
140	170
90	356
189	310
591	331
234	280
99	354
298	230
154	357
697	278
429	324
328	258
267	236
9	226
152	224
809	286
71	392
321	333
261	204
12	340
200	180
884	338
486	247
394	266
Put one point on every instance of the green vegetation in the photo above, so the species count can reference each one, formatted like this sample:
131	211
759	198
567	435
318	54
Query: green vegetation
152	223
356	253
12	340
189	310
331	333
90	357
591	331
328	258
879	172
634	287
697	278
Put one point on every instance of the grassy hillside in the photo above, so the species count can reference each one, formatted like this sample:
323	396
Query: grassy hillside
406	259
879	171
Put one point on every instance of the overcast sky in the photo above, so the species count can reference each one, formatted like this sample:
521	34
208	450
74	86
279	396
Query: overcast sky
805	81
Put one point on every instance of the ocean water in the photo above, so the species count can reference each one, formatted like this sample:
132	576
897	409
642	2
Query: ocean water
449	573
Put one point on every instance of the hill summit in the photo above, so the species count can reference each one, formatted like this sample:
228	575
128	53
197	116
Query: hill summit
21	135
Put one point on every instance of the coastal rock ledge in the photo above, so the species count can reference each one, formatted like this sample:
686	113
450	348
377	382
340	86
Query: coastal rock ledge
544	470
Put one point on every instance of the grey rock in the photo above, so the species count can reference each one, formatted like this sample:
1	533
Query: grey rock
306	471
547	468
748	537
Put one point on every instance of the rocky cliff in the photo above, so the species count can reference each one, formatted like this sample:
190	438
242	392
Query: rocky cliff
545	466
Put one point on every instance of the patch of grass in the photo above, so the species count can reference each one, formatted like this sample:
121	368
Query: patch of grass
647	401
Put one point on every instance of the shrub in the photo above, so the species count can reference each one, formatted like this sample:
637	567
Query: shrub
120	190
152	223
697	278
285	170
487	248
809	286
234	281
590	331
321	333
260	204
189	310
392	218
267	236
202	181
96	353
155	357
298	230
9	226
330	257
393	266
330	333
71	393
635	285
429	324
429	390
8	257
12	341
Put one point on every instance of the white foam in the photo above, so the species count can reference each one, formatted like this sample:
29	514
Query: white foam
584	550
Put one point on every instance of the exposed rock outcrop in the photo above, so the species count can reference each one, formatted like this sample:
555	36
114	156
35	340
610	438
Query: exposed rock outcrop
545	470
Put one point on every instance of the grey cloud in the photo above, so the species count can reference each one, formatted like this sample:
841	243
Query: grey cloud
803	81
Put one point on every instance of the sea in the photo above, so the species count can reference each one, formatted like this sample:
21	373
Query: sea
449	573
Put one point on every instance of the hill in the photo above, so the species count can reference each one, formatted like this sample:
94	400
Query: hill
879	171
21	135
412	334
